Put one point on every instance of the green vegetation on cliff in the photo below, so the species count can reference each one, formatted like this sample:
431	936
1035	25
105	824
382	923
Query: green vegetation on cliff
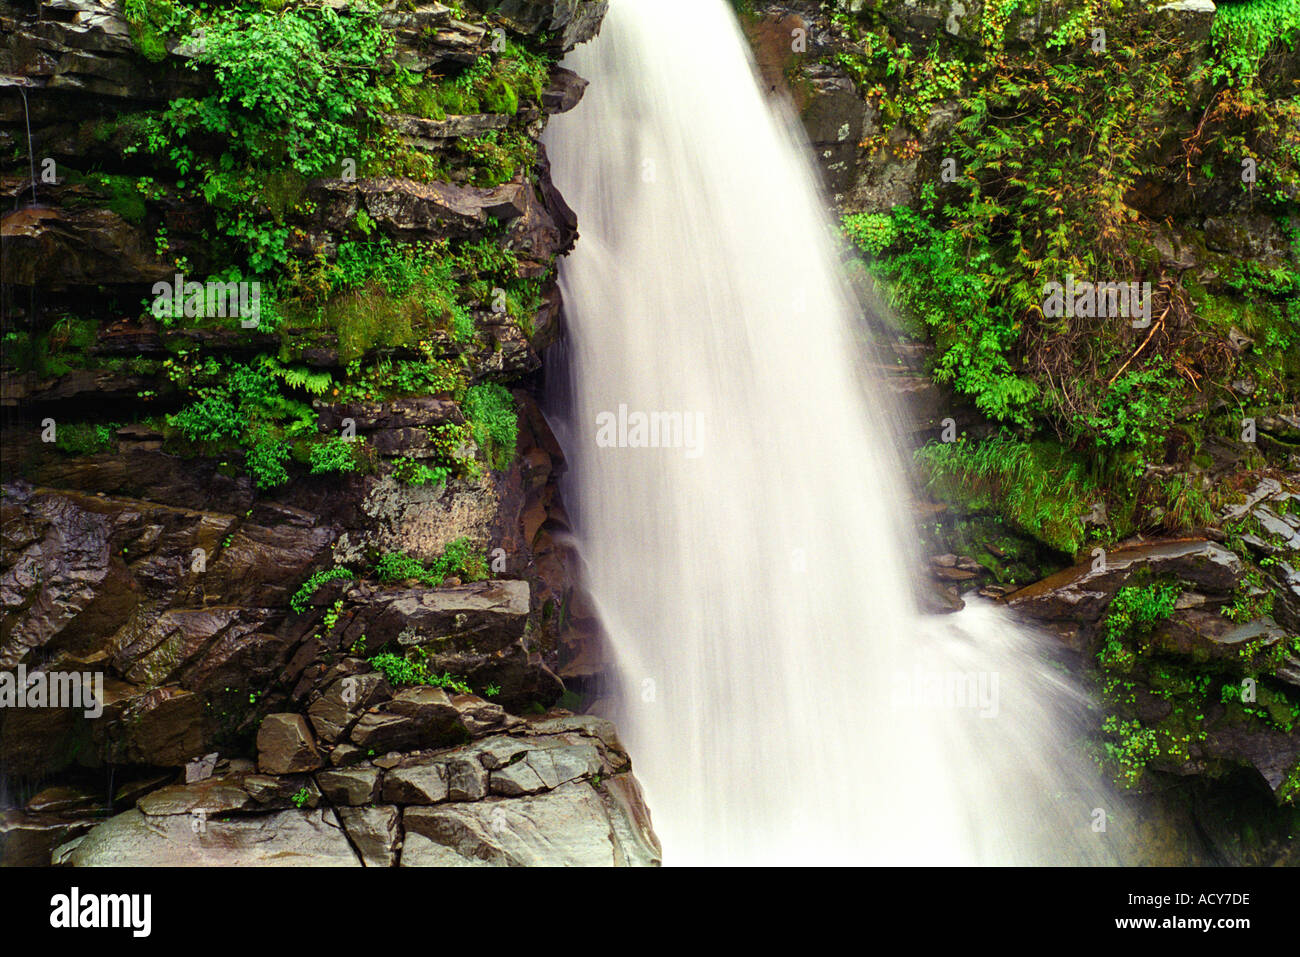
290	96
1056	162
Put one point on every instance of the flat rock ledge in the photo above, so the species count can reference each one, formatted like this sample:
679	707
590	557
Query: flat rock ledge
549	791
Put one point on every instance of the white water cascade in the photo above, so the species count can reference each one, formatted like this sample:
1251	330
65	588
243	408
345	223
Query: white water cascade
781	697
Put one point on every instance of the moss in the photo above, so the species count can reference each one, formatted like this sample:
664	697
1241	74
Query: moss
79	438
149	22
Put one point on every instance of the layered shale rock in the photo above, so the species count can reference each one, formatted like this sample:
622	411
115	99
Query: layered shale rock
317	550
552	791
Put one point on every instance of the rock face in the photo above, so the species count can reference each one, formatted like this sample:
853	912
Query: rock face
164	565
1219	632
554	791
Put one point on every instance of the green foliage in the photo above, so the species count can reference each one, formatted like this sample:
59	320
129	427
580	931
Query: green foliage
460	559
242	403
77	438
1129	747
1036	486
266	457
936	279
295	90
150	22
410	472
489	85
388	295
1252	599
1132	616
493	422
336	455
1244	33
414	670
308	588
301	799
387	377
1137	412
291	86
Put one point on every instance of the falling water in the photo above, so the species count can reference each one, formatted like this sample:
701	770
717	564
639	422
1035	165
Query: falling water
781	696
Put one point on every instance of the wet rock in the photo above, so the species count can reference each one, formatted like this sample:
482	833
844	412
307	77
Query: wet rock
569	22
415	718
408	209
374	832
62	799
1081	593
1254	237
473	630
28	840
466	779
62	248
546	769
481	717
280	793
350	786
335	712
213	796
285	745
163	727
515	833
285	839
564	92
424	781
347	755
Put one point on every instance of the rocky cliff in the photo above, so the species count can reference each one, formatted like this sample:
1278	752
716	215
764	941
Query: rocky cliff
276	282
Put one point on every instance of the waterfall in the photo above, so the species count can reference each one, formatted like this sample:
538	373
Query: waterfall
740	508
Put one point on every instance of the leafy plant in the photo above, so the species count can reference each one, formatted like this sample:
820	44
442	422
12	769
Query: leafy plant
302	596
414	670
460	559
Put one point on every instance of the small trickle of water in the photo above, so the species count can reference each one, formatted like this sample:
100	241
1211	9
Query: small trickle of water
782	699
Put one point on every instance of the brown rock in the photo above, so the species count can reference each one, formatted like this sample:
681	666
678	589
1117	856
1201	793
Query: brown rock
285	745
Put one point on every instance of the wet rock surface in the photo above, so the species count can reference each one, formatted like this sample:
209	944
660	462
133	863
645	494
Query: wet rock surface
555	791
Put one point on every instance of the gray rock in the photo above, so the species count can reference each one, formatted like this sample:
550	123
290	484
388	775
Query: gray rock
1081	593
545	769
467	780
569	21
374	832
212	797
571	826
277	794
288	838
421	717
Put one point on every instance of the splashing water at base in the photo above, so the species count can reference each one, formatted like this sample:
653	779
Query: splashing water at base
782	699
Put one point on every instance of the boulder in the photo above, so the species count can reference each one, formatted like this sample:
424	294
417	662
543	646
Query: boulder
375	832
285	839
285	745
350	786
521	833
